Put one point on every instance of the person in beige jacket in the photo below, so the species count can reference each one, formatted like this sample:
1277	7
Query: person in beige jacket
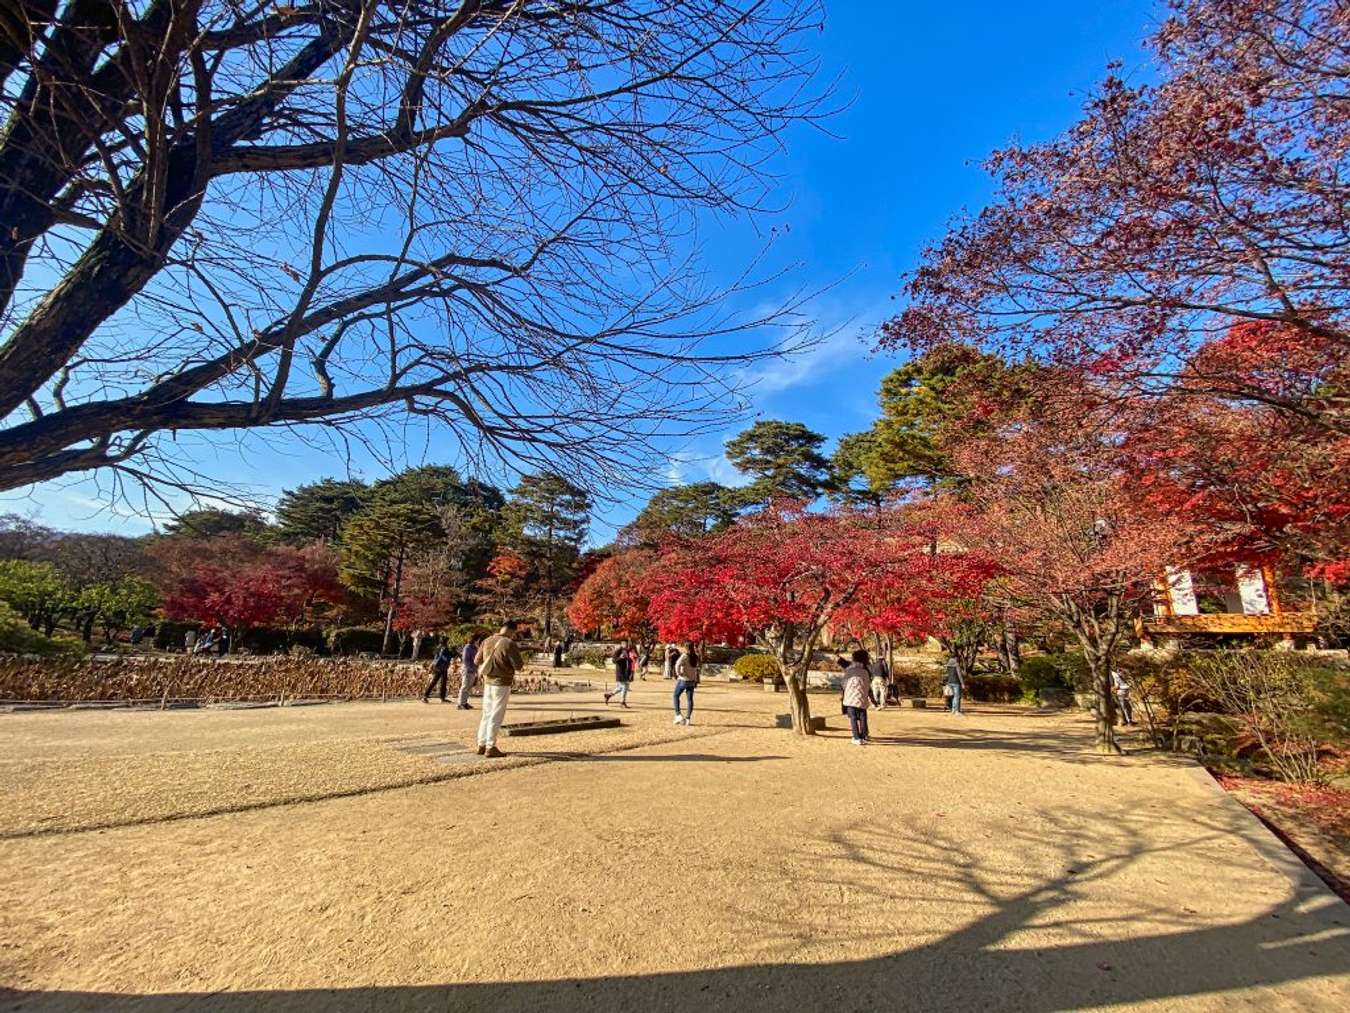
499	660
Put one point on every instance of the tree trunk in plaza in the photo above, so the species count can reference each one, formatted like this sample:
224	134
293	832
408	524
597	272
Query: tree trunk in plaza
1097	627
798	702
1104	706
795	677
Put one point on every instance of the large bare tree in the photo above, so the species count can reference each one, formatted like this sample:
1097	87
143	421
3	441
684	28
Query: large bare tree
338	216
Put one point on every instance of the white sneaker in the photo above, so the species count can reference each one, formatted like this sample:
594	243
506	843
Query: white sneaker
856	742
689	720
679	720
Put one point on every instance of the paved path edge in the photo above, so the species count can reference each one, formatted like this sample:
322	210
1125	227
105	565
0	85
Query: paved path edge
1305	883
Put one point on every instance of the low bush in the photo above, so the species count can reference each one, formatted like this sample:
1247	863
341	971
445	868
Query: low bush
1065	670
356	640
459	634
993	689
280	639
597	656
757	667
982	688
716	654
1284	711
922	682
169	634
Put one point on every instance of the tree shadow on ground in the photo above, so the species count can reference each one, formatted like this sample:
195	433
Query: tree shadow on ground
1070	745
1016	939
657	758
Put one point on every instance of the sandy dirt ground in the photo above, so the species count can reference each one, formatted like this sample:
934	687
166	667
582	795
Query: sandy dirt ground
356	857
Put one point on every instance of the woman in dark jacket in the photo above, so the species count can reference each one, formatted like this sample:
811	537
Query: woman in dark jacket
623	674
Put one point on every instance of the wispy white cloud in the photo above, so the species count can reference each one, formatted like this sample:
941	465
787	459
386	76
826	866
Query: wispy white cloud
839	349
718	469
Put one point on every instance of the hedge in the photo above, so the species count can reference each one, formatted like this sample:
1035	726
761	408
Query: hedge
185	677
1065	670
280	639
597	656
356	640
980	688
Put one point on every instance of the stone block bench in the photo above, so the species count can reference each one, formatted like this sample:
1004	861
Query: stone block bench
785	721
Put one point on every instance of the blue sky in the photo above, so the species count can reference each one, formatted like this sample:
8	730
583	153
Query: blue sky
932	89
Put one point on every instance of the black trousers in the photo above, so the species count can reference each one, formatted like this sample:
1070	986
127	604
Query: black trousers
443	678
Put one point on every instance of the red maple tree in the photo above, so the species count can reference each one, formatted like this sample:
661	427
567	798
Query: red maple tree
613	597
783	574
276	585
1172	211
1057	509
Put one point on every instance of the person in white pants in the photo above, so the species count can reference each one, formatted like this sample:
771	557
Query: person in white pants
499	660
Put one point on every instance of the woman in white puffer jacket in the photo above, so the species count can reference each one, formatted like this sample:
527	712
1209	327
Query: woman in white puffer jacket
856	683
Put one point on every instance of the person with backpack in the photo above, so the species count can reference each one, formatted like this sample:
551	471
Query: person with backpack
623	674
686	681
855	687
440	672
499	659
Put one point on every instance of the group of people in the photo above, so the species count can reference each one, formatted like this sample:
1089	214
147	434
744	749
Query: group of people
680	665
447	661
492	660
217	639
865	684
495	660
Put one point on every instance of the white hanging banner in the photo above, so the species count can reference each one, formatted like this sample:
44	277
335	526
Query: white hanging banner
1252	590
1181	593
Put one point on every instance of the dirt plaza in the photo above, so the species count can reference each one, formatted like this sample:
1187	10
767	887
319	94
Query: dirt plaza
359	856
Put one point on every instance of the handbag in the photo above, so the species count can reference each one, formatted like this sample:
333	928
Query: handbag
947	690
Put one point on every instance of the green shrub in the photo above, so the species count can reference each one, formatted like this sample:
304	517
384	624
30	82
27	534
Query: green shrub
924	682
982	688
356	640
1274	698
597	656
1040	672
459	634
280	639
1065	670
993	689
17	637
716	654
757	667
169	634
1329	716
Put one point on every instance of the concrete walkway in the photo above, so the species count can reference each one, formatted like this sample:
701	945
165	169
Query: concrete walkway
990	862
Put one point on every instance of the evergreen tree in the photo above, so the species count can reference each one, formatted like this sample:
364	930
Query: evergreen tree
860	477
377	546
212	521
316	511
920	401
685	511
546	521
782	459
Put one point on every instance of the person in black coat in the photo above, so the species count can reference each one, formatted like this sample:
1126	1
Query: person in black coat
440	672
